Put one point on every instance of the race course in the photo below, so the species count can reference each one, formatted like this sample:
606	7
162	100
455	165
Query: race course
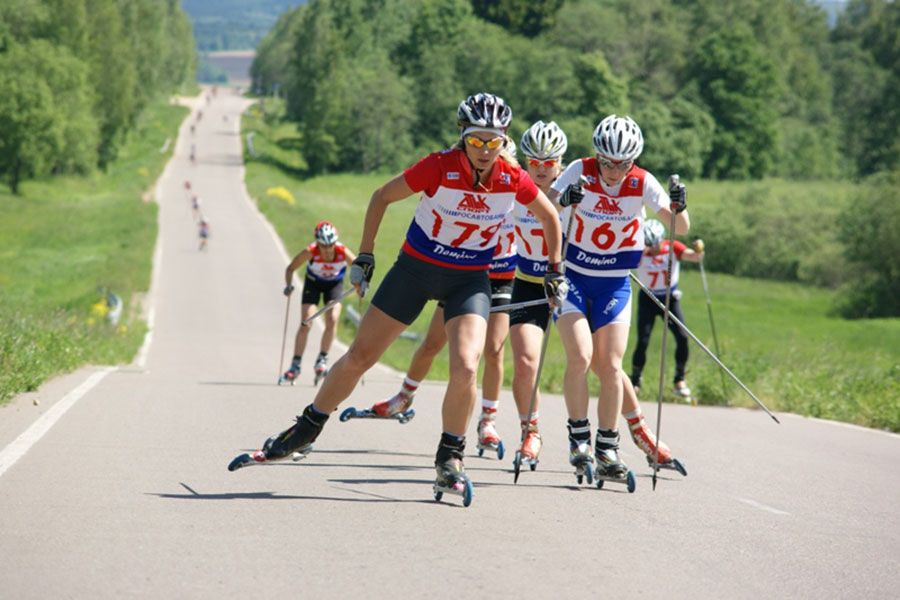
126	494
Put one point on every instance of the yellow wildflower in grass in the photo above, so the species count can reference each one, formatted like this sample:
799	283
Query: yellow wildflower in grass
282	193
143	172
100	308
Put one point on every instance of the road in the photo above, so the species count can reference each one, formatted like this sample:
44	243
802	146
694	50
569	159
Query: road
127	494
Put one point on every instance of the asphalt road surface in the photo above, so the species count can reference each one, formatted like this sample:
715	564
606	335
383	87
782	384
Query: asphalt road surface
126	494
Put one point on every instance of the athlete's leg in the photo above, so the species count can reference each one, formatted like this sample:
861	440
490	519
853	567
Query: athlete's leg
492	378
681	341
576	338
526	341
377	331
645	319
610	342
465	335
434	342
306	311
331	320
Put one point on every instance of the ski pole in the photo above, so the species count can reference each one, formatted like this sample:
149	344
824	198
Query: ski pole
517	305
709	352
287	312
328	306
673	184
712	323
517	464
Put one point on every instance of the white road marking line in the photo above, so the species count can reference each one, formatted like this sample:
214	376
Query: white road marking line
761	506
18	447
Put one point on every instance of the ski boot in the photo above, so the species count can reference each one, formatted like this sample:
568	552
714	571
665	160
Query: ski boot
487	435
645	440
531	446
580	458
396	407
609	467
296	441
291	375
320	370
451	475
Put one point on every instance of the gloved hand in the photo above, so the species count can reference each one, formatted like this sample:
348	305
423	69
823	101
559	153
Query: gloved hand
678	197
288	289
698	246
573	194
361	272
556	288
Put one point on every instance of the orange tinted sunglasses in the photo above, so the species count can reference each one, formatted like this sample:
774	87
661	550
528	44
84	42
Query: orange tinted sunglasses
550	162
477	142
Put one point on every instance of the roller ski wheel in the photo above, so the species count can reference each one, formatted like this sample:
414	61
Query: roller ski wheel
496	447
584	470
628	479
531	449
457	486
353	413
247	459
319	376
673	464
290	377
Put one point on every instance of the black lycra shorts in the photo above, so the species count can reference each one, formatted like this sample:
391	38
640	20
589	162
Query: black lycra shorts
501	292
313	289
524	291
411	283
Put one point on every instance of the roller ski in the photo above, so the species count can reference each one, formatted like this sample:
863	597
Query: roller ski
580	458
295	442
451	475
397	407
320	371
609	467
291	375
645	440
487	435
527	455
683	393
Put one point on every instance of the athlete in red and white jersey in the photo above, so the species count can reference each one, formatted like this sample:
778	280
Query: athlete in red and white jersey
326	263
467	192
652	273
457	225
606	242
652	269
606	235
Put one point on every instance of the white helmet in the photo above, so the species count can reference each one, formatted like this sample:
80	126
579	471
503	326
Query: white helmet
618	138
544	141
654	231
326	233
484	110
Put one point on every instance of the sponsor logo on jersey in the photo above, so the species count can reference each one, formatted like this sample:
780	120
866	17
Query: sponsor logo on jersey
452	175
504	177
590	178
473	203
457	254
610	305
599	261
607	206
633	182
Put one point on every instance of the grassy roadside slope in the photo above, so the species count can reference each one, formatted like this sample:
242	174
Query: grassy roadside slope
777	337
63	241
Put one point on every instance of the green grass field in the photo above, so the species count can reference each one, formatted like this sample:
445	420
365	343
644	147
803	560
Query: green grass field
62	242
779	338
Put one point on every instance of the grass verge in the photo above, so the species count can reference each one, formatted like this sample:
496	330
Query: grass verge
65	241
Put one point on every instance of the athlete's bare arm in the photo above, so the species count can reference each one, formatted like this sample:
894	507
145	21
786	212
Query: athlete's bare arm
295	264
682	220
394	190
350	256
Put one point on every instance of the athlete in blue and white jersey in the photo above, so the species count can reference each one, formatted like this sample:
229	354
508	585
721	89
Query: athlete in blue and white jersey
606	241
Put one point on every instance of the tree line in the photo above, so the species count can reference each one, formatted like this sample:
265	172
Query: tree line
75	75
731	89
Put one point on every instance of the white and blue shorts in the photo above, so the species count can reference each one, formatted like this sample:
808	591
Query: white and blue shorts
603	300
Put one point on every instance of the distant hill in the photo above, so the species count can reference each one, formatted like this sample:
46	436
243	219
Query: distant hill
233	24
